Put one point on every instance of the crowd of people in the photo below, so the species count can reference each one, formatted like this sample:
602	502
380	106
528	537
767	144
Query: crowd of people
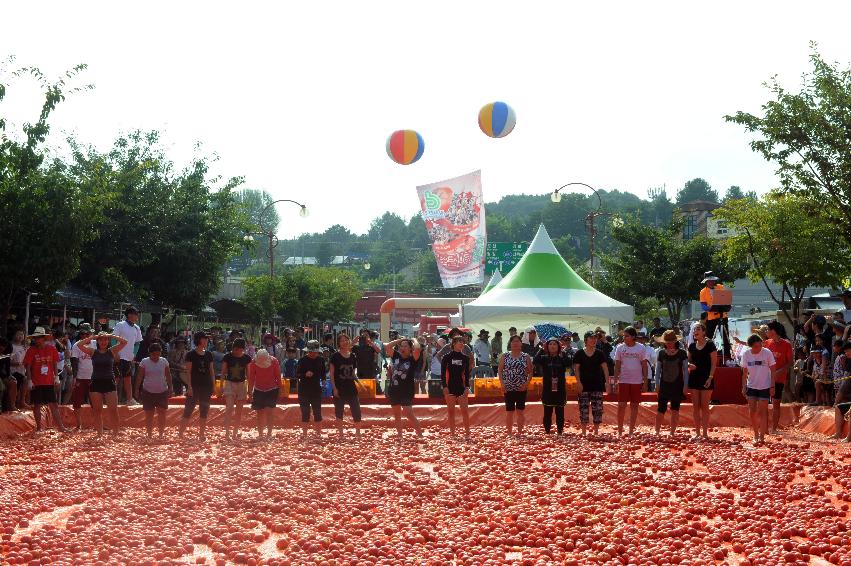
110	367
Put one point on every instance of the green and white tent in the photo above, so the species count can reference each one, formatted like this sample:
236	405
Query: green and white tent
494	280
542	286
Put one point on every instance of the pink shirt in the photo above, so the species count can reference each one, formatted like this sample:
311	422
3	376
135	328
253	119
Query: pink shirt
266	379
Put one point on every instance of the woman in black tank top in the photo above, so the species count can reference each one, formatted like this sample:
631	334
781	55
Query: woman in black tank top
103	378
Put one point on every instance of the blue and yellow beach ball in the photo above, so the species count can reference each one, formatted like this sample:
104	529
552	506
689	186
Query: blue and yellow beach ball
497	119
405	146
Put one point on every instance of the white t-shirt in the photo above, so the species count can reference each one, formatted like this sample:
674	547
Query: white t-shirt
690	337
631	359
84	363
133	334
651	355
483	351
155	381
759	368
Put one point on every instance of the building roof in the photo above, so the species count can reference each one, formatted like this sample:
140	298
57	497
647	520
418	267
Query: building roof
699	206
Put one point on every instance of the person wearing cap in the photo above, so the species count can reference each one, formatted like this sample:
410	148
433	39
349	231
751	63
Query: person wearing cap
531	342
714	319
842	387
153	387
199	366
592	371
311	373
554	388
264	382
132	334
40	363
482	354
672	373
81	368
102	390
234	374
631	368
448	347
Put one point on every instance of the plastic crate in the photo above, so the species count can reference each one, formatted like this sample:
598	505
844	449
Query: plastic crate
487	387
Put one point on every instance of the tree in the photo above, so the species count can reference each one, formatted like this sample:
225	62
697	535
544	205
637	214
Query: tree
46	217
786	241
806	135
657	262
256	206
735	193
696	189
324	254
166	235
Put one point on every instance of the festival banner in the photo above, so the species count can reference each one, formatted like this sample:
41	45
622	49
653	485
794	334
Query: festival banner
454	215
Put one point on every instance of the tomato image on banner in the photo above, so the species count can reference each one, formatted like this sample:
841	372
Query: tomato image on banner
497	119
454	215
405	146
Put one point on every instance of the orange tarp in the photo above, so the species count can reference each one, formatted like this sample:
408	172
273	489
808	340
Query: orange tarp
813	419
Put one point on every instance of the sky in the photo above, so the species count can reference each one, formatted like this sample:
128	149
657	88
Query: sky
299	97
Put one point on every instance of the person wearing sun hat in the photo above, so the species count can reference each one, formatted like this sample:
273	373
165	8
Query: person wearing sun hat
40	362
672	374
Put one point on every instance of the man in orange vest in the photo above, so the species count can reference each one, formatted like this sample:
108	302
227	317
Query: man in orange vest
714	319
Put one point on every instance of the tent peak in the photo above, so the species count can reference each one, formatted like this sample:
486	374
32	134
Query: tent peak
542	243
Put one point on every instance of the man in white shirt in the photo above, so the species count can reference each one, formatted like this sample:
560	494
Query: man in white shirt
482	350
130	331
651	359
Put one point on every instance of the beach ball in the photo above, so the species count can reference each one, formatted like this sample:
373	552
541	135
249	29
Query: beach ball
497	119
405	146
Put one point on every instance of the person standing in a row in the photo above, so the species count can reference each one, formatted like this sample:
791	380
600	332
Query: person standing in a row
703	359
311	373
400	390
553	364
515	371
455	377
200	386
132	334
592	370
342	368
102	389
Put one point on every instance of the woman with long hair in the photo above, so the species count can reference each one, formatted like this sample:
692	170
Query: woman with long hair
703	359
102	389
515	371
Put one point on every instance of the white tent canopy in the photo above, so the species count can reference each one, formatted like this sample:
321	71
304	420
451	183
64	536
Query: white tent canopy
494	280
542	286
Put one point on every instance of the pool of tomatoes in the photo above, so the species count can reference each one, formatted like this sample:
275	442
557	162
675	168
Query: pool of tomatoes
492	500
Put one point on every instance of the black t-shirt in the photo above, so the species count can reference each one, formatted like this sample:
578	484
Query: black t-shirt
702	358
553	369
671	377
590	370
200	376
366	360
310	385
404	371
237	367
657	331
344	373
457	364
5	368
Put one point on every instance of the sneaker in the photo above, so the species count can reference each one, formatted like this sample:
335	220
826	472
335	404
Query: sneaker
132	403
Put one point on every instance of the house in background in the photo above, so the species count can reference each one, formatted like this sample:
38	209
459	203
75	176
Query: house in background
698	220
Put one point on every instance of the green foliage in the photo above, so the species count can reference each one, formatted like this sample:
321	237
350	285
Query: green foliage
324	254
696	189
788	240
165	235
304	294
806	135
46	216
657	262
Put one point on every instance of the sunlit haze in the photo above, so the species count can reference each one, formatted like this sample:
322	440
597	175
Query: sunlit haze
299	98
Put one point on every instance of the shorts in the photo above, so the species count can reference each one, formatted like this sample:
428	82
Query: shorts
151	401
102	386
401	396
307	404
80	392
662	404
778	391
354	405
515	400
236	389
265	399
456	387
42	395
702	385
125	368
629	392
808	385
202	399
22	379
758	394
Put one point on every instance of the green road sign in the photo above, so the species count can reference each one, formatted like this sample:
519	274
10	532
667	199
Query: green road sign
503	256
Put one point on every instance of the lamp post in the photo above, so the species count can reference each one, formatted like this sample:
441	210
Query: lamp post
589	218
269	233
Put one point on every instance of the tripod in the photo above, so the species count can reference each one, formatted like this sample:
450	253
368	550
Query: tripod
713	328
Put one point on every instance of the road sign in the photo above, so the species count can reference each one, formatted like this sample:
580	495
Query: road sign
503	256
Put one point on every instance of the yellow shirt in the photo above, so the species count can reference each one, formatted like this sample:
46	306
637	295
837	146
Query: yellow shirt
706	297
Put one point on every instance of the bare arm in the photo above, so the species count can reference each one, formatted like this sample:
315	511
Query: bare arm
121	342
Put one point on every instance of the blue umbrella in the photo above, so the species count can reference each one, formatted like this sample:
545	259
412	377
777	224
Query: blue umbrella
547	330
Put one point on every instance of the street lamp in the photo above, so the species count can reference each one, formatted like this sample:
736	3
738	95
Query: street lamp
273	239
589	218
